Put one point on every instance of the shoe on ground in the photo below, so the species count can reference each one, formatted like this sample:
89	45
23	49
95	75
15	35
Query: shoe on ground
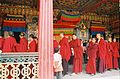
73	74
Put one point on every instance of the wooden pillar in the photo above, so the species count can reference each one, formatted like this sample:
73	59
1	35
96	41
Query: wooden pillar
46	39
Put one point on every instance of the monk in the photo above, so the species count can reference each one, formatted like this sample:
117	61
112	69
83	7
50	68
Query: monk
115	53
92	52
65	52
109	53
23	45
55	43
36	39
101	53
32	45
9	43
89	42
76	44
1	42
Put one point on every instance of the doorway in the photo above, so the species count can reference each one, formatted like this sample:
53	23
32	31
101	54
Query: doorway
16	35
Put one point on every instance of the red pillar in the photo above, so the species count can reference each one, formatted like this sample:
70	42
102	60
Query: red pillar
46	39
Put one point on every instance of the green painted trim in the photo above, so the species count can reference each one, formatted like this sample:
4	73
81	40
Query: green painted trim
70	16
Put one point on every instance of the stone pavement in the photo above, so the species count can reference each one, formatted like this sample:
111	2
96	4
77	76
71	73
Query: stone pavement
113	74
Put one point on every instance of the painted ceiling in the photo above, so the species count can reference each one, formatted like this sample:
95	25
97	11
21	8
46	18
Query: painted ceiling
101	7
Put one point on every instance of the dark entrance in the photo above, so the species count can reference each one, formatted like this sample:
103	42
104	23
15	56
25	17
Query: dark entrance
16	35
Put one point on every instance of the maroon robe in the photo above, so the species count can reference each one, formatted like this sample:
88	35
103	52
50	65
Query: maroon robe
115	46
102	49
55	44
90	43
78	54
32	46
36	47
92	52
65	48
1	43
9	44
109	56
23	46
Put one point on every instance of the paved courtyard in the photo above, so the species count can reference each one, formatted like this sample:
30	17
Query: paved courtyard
113	74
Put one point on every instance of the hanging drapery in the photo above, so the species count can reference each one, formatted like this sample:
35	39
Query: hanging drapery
67	21
70	17
97	29
14	23
64	25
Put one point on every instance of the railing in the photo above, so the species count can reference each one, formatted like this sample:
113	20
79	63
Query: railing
19	66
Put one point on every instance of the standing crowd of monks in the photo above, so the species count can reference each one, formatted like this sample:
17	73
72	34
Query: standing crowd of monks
9	43
102	55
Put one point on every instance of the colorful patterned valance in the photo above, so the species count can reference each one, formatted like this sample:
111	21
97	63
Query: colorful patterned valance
63	26
67	20
14	23
70	17
14	29
97	29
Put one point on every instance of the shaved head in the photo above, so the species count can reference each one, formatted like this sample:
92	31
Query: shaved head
74	36
61	34
98	35
110	39
93	40
114	40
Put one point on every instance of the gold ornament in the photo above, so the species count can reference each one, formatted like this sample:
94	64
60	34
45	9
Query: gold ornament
19	11
31	12
15	11
27	11
11	11
6	10
23	11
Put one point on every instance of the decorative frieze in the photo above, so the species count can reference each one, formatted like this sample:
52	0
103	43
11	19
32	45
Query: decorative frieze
15	10
19	66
